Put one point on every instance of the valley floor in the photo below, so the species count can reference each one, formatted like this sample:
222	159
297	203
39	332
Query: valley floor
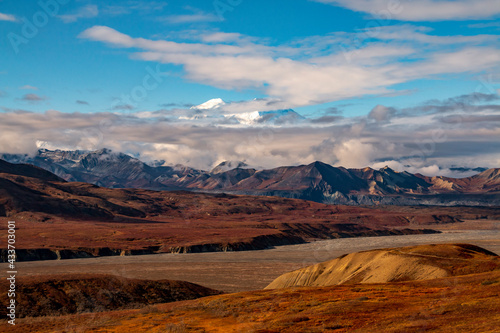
253	270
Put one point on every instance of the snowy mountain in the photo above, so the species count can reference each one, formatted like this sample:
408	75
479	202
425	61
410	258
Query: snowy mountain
219	113
105	168
210	105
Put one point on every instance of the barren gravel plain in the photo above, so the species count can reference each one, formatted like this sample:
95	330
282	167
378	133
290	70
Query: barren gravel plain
253	270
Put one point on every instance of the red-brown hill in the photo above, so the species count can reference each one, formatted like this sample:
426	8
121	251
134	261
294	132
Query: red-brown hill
65	294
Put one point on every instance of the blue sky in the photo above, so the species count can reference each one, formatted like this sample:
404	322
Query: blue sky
318	57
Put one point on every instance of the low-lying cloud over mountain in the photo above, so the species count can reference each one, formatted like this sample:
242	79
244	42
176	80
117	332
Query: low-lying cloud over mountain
436	137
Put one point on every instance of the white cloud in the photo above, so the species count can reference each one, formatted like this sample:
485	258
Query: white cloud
421	35
299	81
28	87
88	11
484	25
197	16
423	10
431	170
424	141
355	153
221	37
7	17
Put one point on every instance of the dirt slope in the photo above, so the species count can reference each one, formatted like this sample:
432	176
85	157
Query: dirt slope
421	262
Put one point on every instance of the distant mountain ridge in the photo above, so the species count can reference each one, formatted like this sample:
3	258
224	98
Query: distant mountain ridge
316	181
103	168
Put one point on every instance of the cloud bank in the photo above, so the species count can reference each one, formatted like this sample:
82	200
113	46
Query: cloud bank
430	138
318	69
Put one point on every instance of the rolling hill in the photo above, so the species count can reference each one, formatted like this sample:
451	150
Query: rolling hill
414	263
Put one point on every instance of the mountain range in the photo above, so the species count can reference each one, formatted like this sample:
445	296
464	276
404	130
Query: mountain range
63	220
317	181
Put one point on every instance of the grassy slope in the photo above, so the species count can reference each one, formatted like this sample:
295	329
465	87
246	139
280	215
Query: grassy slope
76	293
468	303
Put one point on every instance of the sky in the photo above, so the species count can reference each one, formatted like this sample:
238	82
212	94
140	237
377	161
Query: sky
410	84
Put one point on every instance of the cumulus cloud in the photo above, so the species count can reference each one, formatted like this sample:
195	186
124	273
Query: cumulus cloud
88	11
423	10
355	153
286	75
381	113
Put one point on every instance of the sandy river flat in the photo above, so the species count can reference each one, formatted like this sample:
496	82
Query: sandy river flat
251	270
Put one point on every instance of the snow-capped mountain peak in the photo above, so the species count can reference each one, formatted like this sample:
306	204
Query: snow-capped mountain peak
247	118
210	105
